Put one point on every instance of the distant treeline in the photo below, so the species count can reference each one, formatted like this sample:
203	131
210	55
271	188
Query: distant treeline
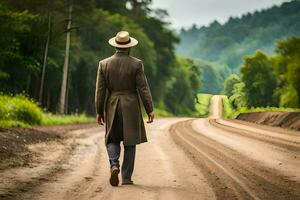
268	80
225	45
25	27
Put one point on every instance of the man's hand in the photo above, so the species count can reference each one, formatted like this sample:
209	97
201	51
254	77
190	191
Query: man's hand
100	120
150	117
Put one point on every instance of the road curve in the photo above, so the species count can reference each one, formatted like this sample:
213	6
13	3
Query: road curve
185	158
241	161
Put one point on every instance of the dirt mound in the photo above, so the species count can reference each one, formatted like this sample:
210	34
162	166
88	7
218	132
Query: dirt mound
289	120
14	142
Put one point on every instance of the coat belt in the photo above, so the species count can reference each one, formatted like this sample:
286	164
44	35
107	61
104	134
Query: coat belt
123	92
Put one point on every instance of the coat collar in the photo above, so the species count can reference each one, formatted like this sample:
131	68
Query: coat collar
120	52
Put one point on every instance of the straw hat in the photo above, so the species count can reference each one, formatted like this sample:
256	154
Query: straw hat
123	40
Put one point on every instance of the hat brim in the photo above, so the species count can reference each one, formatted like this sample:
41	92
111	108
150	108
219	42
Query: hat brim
133	42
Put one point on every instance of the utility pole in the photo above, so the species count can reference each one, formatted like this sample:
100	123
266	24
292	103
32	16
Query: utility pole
62	100
45	60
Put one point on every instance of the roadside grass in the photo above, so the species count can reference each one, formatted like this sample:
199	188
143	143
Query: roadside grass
51	119
229	112
264	109
202	104
13	123
162	113
20	111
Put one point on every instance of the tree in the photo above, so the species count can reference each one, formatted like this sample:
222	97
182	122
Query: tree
45	61
14	62
183	87
63	90
229	83
259	80
288	71
238	98
32	54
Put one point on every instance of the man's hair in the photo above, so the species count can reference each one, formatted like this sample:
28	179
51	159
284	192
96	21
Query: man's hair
122	48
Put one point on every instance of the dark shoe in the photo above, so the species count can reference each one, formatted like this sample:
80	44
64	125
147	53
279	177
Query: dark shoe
114	179
127	182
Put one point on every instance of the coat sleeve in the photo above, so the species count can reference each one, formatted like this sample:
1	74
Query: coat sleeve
143	88
100	93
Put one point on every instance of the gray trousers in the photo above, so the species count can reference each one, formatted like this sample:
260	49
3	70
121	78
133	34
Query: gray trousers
114	150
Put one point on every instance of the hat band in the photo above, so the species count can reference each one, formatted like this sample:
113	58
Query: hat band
127	42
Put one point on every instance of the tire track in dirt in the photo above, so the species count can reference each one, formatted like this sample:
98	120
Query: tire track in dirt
281	142
230	174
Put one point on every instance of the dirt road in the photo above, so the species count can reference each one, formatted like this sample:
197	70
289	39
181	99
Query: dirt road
184	159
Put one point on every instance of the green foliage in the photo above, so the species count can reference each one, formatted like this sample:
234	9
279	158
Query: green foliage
287	68
21	109
50	119
229	83
212	76
244	34
259	80
13	26
268	81
202	104
24	31
183	87
228	110
13	123
230	42
23	112
265	109
238	98
289	98
162	113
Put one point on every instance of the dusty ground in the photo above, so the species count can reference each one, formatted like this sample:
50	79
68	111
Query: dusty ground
184	159
14	142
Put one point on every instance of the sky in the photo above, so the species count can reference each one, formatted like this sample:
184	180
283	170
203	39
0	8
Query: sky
185	13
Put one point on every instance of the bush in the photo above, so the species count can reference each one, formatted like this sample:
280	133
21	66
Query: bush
228	111
23	112
20	108
202	104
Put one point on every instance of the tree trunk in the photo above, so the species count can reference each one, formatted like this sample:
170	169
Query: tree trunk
45	61
62	100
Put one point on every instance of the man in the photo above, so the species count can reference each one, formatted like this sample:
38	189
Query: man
120	83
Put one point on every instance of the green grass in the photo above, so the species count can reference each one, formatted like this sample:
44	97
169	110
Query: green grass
50	119
162	113
202	106
20	111
230	113
264	109
13	123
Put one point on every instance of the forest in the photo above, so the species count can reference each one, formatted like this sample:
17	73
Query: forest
50	52
34	61
220	48
268	81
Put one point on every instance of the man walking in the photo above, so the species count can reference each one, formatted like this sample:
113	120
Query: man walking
120	82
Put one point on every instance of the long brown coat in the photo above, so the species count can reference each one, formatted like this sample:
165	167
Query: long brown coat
122	72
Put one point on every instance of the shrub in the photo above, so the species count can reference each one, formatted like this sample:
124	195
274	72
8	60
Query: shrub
202	104
228	111
20	108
